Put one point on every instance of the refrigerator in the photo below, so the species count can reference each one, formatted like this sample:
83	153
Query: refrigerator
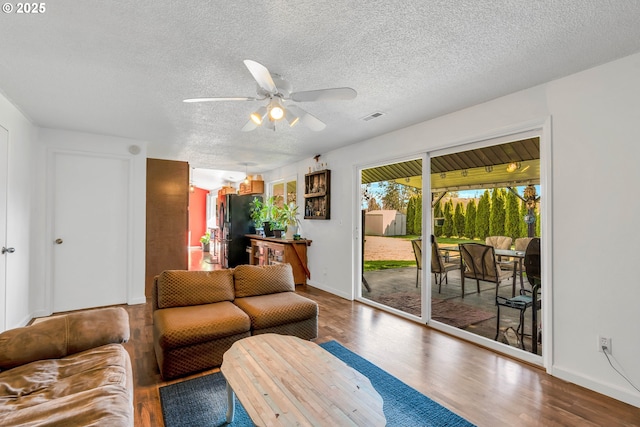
235	224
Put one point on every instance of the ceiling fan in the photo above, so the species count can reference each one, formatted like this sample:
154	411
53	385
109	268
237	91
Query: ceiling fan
278	91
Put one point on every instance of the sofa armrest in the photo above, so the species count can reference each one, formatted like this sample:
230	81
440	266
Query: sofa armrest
62	335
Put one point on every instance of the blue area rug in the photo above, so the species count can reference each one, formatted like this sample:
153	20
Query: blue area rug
203	401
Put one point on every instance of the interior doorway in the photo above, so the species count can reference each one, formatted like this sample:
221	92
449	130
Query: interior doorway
4	162
89	230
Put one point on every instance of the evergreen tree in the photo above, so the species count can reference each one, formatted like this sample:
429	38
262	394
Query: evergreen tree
447	228
458	220
437	213
482	216
523	225
470	220
513	219
497	215
417	219
411	213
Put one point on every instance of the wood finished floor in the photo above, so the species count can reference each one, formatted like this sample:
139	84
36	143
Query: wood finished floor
484	387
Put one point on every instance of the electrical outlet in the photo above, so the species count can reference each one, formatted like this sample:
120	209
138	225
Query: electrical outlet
604	342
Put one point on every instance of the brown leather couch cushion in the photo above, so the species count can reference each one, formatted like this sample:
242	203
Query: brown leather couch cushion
178	288
251	280
277	309
94	387
60	336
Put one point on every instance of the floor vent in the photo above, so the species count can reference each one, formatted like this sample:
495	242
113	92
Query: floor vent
372	116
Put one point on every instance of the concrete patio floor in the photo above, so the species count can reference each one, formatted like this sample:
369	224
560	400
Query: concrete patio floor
403	280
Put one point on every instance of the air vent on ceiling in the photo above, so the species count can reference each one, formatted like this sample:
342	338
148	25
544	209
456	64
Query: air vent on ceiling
372	116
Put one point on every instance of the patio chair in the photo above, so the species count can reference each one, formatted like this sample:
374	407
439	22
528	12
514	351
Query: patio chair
521	246
500	242
479	263
527	298
439	265
416	244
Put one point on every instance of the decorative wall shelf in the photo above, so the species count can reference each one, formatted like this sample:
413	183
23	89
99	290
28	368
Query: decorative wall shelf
317	195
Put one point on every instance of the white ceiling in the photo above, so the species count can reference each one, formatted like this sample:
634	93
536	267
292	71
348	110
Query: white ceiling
123	68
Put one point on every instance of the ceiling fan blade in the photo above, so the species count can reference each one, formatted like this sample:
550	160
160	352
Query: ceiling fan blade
334	94
308	119
230	98
249	126
262	76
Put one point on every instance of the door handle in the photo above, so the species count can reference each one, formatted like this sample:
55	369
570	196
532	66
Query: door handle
7	250
58	241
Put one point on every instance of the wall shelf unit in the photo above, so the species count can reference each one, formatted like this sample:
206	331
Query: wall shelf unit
317	195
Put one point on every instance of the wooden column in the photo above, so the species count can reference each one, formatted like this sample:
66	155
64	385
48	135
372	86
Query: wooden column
167	218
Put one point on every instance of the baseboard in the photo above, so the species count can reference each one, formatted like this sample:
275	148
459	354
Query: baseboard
24	321
333	291
613	391
136	301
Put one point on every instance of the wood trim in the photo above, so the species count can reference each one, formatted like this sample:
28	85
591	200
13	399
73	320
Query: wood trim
167	218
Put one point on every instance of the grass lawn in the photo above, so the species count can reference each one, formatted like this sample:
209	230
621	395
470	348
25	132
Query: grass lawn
385	265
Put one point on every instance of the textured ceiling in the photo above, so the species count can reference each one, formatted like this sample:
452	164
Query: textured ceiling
122	68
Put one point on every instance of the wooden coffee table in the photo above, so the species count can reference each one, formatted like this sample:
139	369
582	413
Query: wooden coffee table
285	381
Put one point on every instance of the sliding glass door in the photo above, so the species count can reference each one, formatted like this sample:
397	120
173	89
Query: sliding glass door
486	195
391	216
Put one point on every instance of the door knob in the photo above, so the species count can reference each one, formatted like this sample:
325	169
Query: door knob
58	241
7	250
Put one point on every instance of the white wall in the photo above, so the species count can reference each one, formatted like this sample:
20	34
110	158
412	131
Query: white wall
22	134
594	170
108	145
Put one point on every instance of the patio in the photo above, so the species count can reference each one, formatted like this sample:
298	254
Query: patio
475	313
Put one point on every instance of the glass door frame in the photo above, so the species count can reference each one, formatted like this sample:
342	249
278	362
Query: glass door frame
358	253
540	128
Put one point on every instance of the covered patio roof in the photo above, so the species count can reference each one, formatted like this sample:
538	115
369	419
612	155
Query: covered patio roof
506	165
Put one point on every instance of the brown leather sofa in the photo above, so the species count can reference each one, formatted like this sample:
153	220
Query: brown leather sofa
67	370
198	315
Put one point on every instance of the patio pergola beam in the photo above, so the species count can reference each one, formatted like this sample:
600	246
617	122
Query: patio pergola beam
516	193
435	202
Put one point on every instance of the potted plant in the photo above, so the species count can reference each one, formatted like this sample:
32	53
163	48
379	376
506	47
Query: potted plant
271	216
288	219
265	213
206	242
258	216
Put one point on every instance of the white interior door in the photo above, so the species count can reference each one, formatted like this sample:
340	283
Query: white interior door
89	224
4	166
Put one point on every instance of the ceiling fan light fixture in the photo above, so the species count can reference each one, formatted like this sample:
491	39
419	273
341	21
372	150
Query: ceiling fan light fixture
276	110
258	116
291	117
512	167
